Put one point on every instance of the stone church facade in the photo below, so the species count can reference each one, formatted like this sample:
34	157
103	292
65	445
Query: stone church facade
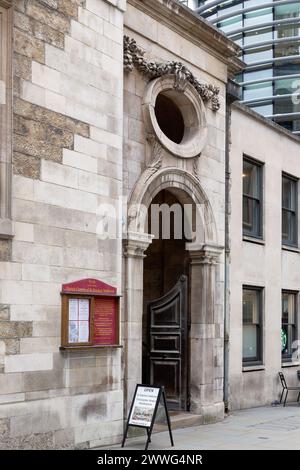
87	91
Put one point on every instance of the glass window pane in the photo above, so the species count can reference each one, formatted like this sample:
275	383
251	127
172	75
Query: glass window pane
285	308
284	340
288	194
251	324
258	17
258	36
250	307
285	226
251	198
231	24
258	74
265	110
251	179
250	348
255	55
251	216
289	234
285	50
291	309
258	90
288	328
289	211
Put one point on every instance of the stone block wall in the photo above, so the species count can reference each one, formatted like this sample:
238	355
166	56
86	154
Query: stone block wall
67	159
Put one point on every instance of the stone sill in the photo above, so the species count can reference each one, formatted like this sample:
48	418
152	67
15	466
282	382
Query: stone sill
294	249
290	364
257	241
253	368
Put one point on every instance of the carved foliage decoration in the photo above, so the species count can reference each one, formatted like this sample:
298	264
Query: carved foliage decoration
134	57
156	161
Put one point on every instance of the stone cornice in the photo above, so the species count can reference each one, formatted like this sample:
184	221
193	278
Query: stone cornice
195	29
134	57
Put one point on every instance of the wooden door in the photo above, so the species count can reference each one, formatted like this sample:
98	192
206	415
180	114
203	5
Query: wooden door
168	344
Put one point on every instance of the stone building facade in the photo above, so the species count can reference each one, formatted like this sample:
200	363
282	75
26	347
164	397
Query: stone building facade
264	262
66	136
192	171
84	126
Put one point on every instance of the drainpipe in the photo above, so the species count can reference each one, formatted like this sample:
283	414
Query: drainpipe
233	93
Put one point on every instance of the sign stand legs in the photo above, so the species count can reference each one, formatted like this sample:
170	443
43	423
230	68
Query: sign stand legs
125	435
168	417
149	429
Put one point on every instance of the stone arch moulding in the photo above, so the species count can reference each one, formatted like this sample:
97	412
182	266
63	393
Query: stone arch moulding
151	182
192	109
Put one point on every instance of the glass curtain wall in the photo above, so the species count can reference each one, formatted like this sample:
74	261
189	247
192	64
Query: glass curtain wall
268	32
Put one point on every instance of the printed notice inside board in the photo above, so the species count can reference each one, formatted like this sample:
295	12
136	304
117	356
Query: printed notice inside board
79	320
105	324
144	406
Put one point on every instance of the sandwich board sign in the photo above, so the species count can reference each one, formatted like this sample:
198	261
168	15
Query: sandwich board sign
143	410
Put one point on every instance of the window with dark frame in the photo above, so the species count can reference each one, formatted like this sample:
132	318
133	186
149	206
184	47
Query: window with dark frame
252	198
288	324
252	325
289	210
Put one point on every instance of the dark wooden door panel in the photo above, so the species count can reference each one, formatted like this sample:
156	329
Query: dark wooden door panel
167	344
167	373
167	314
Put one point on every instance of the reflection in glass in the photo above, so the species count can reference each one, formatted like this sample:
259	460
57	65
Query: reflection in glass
251	29
289	211
251	325
288	324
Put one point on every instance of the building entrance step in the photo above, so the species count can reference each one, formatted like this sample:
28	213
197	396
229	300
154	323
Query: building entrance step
179	420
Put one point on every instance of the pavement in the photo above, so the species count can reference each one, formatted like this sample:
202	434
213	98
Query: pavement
254	429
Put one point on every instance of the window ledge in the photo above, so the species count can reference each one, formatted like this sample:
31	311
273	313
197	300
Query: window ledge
291	248
6	229
98	346
290	364
257	241
253	368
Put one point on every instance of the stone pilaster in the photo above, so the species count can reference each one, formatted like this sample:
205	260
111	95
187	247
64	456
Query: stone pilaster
134	253
206	366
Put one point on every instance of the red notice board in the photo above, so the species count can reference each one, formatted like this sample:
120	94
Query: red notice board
90	315
105	324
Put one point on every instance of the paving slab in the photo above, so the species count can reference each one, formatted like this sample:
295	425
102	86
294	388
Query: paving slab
257	428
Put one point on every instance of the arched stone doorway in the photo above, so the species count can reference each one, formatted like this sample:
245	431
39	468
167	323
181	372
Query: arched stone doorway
166	301
206	310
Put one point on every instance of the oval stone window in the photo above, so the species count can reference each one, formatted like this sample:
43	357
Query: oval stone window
178	118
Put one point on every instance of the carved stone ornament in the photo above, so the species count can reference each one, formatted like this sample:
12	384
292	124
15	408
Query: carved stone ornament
134	57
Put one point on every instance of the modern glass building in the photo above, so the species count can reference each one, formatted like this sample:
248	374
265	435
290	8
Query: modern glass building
268	32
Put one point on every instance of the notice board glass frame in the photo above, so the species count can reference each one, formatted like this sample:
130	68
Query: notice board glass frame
103	315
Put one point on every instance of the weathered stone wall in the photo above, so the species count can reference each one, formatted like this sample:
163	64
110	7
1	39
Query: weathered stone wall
263	264
67	159
162	41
